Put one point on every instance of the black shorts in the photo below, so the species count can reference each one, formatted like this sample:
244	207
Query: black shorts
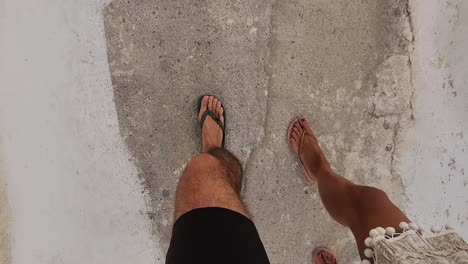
215	235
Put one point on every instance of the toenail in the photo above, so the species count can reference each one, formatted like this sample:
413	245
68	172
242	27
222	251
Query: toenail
302	119
318	253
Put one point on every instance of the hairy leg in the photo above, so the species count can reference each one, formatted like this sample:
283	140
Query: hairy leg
214	178
210	180
361	208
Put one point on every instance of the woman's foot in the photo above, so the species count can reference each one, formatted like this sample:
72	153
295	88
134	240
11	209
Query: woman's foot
323	256
304	144
212	134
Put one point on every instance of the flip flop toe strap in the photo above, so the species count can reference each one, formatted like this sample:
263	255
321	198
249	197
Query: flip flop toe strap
212	115
301	143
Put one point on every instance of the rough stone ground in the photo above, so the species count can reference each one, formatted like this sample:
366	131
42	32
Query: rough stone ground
342	64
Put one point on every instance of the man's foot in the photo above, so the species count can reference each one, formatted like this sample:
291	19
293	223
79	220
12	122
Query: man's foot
304	144
212	134
323	256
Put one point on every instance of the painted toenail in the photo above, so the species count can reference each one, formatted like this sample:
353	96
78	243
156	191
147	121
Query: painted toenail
318	253
302	119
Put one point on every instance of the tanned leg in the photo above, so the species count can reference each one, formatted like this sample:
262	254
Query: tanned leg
361	208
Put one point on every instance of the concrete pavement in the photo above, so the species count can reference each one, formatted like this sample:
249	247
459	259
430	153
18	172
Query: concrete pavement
97	117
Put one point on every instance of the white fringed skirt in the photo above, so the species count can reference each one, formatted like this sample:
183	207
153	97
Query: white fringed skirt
414	246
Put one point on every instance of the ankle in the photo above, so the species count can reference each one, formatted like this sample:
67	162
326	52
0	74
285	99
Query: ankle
325	171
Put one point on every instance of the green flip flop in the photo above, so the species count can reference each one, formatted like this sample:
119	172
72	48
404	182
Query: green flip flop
212	115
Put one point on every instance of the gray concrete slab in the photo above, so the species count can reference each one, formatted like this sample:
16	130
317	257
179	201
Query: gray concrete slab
344	65
435	152
163	56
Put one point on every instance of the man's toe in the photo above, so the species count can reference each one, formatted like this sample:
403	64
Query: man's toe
210	103
204	106
214	106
